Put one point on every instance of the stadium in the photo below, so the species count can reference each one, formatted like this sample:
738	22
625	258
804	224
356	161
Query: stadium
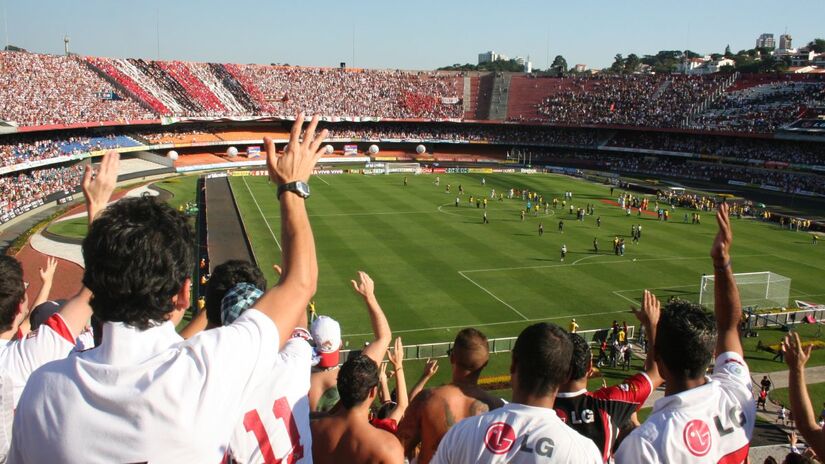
492	200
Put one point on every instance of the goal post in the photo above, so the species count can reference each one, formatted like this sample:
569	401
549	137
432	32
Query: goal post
763	289
405	168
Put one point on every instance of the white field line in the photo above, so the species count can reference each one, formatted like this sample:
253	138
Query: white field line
320	178
618	293
488	324
262	213
377	213
494	296
625	261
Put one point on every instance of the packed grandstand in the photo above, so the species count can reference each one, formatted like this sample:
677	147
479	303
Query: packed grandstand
757	139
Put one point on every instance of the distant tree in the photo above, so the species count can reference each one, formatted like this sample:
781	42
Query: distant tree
689	54
559	63
817	45
715	56
631	64
618	64
728	54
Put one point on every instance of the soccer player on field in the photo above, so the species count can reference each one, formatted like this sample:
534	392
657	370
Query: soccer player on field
601	414
561	226
700	419
563	252
144	394
541	229
433	411
528	429
595	245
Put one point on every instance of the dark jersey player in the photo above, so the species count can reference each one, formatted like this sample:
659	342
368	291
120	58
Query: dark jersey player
600	414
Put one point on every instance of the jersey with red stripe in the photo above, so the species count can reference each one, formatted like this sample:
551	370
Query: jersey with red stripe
712	423
275	427
20	357
600	414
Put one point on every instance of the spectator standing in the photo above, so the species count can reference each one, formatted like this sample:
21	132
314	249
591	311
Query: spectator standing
528	429
139	256
700	417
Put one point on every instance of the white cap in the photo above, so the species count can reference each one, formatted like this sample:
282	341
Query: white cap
326	332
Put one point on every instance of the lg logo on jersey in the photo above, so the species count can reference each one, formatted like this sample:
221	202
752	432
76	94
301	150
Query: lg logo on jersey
698	438
500	438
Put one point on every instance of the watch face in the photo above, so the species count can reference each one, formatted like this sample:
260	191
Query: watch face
302	188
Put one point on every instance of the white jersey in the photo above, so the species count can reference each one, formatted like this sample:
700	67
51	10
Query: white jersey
19	358
146	395
712	423
275	426
515	433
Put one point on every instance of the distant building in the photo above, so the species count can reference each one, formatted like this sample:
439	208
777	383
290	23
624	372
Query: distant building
580	68
785	42
703	65
765	41
489	57
802	58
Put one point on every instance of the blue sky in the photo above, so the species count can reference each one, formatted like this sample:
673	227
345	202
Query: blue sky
420	34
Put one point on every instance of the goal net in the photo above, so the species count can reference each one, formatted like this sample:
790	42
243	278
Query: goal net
761	289
405	168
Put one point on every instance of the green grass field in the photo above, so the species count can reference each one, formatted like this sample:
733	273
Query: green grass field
182	189
437	268
816	391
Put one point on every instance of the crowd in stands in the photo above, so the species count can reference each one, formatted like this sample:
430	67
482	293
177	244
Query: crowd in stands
663	166
737	148
763	108
23	149
24	188
340	92
254	377
630	100
37	90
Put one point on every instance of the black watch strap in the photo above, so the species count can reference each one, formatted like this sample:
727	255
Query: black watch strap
292	187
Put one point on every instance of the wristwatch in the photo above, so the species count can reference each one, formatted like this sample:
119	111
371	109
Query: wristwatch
299	188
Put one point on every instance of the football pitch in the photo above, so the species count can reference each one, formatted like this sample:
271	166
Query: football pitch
438	268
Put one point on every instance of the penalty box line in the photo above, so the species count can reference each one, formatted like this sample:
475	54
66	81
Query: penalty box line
493	295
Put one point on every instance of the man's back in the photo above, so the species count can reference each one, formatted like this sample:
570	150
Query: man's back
516	433
703	424
600	414
337	440
435	410
145	395
275	423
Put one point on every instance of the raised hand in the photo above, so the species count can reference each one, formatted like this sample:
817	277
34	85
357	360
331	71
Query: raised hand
795	355
720	251
649	313
48	273
430	368
365	287
396	356
299	156
99	190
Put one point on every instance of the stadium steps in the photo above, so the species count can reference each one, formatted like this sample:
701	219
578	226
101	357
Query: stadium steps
467	98
500	96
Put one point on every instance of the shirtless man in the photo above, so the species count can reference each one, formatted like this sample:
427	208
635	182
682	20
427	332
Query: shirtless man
434	411
327	335
347	435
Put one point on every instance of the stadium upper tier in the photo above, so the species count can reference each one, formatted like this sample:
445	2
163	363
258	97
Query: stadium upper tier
46	90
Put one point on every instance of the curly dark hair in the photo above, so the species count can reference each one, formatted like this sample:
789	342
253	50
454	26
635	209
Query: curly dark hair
582	355
225	276
685	338
541	357
138	255
357	377
12	290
